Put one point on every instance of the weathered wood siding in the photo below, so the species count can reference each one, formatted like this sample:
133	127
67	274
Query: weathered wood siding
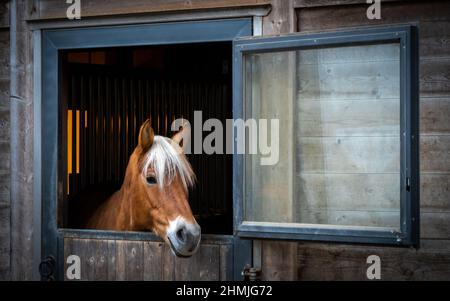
432	260
148	260
55	9
5	206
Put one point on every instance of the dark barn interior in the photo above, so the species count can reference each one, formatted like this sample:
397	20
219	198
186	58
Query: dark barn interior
108	93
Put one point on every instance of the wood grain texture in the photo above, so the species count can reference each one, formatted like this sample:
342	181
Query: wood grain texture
435	154
316	3
4	14
343	262
358	117
22	165
129	260
336	262
349	154
153	261
349	191
54	9
4	240
435	77
203	265
279	258
434	192
434	113
4	56
341	16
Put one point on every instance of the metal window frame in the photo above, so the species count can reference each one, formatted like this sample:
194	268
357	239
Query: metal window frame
47	115
406	36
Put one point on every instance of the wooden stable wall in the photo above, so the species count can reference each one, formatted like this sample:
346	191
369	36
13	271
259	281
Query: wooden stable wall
315	261
109	259
4	143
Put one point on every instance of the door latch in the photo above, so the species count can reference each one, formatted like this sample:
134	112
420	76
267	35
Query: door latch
251	273
47	268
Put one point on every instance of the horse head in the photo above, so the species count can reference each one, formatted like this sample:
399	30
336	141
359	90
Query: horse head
161	183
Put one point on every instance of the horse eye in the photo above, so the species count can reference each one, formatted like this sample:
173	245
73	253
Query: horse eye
151	180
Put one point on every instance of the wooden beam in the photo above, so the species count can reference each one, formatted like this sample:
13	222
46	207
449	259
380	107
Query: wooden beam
318	3
55	9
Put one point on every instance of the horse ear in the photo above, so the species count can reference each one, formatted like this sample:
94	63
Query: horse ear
146	136
182	138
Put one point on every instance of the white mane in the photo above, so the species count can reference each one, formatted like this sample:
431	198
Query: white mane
167	161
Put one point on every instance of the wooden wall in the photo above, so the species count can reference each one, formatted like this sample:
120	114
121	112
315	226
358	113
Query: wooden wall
108	259
320	261
55	9
4	143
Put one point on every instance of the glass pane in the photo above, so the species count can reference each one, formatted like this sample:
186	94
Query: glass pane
339	136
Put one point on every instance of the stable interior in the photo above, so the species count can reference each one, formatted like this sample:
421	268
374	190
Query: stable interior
106	94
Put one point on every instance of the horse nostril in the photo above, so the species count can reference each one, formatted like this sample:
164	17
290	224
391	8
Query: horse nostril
181	235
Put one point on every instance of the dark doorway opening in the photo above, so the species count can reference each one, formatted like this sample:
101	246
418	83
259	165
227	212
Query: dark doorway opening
106	95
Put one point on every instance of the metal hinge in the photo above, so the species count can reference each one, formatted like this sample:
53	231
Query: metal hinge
47	268
251	273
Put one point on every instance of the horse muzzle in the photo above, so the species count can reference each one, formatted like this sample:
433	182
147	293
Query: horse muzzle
184	238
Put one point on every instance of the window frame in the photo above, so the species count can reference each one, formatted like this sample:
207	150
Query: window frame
406	36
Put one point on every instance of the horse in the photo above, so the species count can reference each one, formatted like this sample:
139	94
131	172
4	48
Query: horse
154	194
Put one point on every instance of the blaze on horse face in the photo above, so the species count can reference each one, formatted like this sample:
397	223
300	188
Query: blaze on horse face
165	178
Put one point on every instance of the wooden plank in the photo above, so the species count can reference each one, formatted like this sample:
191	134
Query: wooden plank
4	14
97	258
153	258
434	116
4	156
55	9
83	249
374	117
272	77
168	263
434	39
278	261
348	154
282	18
226	263
344	262
130	260
4	124
4	54
435	77
279	258
101	259
333	17
372	192
435	225
112	259
4	187
435	154
317	3
5	242
388	219
68	250
350	54
434	192
4	93
202	266
22	163
359	80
